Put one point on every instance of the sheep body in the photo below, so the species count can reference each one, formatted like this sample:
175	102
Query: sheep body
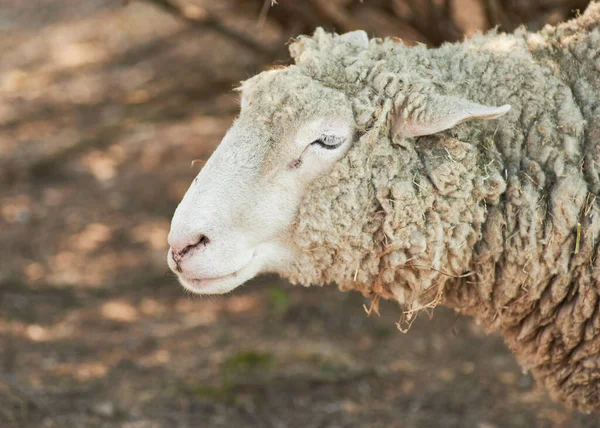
500	219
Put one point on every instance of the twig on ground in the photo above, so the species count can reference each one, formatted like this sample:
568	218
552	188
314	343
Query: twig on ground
264	11
202	18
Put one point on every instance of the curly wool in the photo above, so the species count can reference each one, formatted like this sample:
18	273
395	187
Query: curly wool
498	219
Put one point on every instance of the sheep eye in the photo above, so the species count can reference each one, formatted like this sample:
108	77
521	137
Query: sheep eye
327	143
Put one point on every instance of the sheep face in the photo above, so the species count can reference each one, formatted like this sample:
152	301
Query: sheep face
234	221
302	132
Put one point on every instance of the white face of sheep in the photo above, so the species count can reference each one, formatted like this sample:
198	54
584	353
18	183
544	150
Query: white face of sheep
236	220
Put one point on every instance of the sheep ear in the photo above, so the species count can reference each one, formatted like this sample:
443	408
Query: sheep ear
431	114
358	39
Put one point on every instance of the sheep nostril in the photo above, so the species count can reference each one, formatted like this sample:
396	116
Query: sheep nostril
203	240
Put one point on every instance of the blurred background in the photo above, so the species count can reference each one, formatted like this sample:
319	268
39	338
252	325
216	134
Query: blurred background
103	106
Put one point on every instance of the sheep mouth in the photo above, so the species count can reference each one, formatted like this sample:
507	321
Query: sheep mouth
199	282
219	284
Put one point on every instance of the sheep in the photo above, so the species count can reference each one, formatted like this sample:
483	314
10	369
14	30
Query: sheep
466	175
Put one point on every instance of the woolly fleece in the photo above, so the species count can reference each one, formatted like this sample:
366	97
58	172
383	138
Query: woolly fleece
498	219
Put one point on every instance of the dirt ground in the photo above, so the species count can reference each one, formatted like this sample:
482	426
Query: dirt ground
102	108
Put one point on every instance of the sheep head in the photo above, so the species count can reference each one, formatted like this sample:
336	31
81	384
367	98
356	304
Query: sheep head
294	172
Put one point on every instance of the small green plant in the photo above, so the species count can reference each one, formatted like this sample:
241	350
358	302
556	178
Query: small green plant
279	300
